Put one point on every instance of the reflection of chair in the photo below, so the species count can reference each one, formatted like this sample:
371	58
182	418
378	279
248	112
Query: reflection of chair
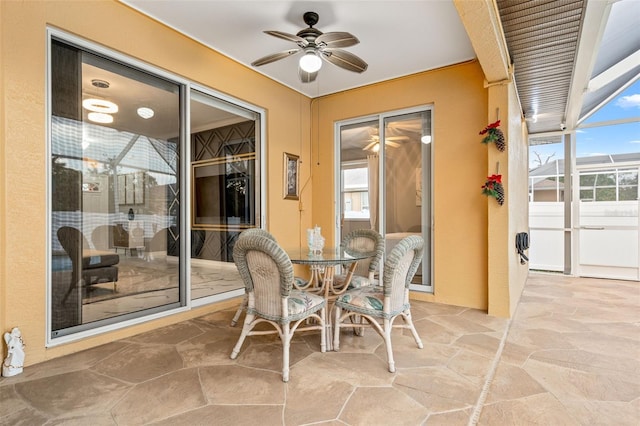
89	266
362	240
101	237
380	306
267	273
157	245
245	300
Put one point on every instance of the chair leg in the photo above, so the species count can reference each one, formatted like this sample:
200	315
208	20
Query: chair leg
336	328
242	307
407	318
387	342
286	344
323	331
246	328
358	331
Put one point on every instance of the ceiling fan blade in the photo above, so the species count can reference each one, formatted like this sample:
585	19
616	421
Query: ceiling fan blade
307	77
345	60
289	37
274	57
391	143
371	145
337	39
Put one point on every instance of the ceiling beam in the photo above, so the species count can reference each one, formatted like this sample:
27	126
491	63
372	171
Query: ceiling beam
481	21
594	22
618	69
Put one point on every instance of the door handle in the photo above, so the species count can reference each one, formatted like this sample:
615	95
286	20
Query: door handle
595	228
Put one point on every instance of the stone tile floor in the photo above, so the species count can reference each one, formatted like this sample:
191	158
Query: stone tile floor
570	356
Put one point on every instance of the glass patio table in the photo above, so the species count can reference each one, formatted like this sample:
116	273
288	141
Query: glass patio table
323	266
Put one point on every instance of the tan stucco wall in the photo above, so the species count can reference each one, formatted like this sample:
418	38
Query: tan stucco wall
460	215
23	174
506	276
519	204
294	124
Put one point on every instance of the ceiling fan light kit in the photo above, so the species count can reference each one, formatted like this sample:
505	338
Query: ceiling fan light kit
310	62
317	46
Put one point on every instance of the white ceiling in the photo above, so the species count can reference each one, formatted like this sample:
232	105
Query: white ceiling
397	38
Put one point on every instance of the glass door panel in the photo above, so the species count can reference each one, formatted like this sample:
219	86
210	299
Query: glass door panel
385	181
115	150
407	183
224	190
359	164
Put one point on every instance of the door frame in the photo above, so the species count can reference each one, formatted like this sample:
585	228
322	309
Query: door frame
427	214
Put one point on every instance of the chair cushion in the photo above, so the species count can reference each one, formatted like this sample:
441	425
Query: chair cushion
357	281
369	298
301	303
300	282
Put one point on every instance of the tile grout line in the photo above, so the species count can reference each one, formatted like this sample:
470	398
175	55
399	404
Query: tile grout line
477	410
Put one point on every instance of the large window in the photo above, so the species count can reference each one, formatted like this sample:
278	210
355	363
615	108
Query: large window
355	190
119	201
609	185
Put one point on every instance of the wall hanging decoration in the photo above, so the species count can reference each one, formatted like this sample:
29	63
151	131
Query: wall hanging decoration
495	135
291	176
493	188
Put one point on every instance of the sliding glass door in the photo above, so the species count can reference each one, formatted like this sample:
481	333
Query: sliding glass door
225	195
115	179
384	180
151	180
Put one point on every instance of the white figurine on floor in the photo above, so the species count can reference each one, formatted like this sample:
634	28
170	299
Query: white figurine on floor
14	361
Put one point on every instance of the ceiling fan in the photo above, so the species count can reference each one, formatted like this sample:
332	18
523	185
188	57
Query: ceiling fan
374	142
316	46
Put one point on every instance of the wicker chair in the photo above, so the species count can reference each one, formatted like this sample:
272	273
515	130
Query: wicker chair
362	240
379	306
268	276
245	300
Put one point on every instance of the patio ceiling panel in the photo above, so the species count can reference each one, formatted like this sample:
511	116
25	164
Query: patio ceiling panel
542	38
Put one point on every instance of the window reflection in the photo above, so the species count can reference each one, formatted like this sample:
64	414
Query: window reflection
114	191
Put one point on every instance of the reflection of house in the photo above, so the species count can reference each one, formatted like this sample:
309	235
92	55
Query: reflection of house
602	178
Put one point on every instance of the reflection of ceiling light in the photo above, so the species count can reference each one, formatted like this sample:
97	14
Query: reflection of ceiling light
375	148
145	112
426	139
99	117
531	117
310	62
100	105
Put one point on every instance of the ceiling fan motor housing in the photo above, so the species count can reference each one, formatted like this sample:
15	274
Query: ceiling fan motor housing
310	18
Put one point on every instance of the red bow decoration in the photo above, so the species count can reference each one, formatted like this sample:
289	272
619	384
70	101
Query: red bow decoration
493	188
494	135
490	126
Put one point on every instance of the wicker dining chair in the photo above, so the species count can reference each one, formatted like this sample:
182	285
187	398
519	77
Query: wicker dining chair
379	306
267	273
245	300
362	240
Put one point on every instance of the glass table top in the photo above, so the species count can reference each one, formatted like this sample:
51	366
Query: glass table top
329	256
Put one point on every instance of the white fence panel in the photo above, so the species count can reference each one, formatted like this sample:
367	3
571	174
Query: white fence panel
546	225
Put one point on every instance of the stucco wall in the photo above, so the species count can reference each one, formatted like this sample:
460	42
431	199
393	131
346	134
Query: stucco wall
294	124
506	276
23	233
460	215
